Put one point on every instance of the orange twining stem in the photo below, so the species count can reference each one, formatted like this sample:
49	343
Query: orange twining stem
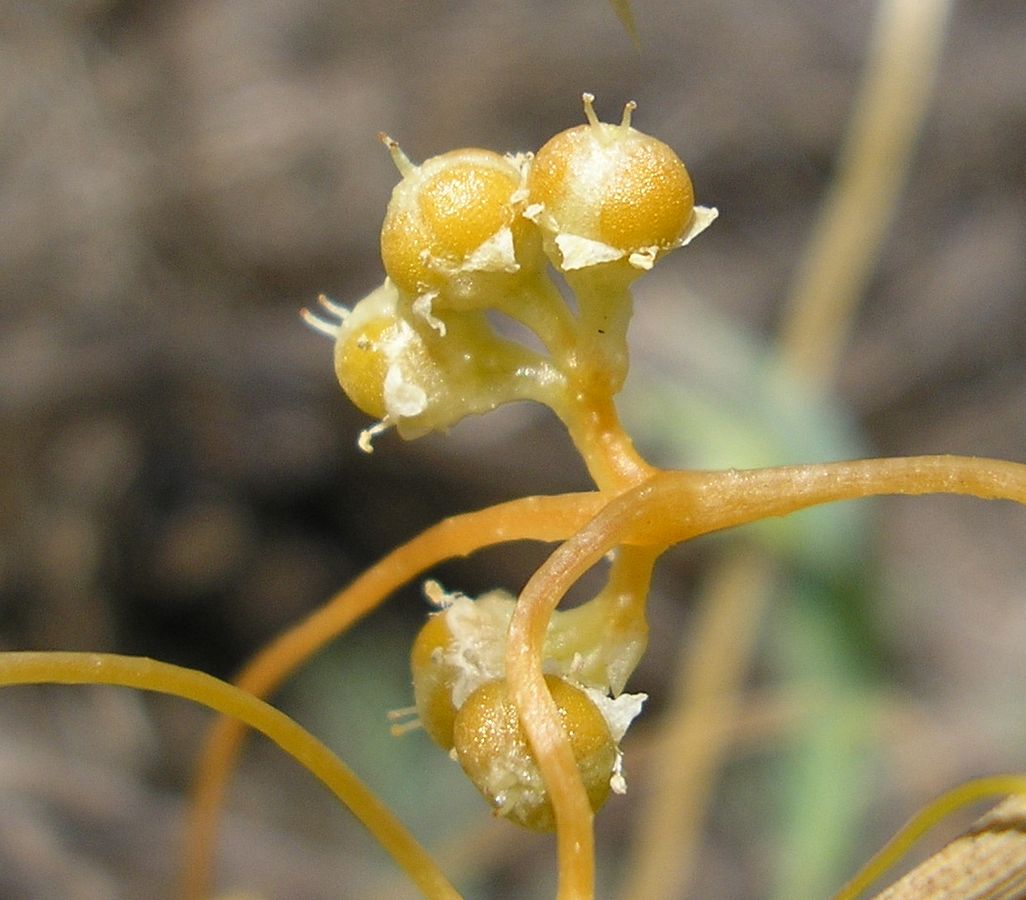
537	711
668	508
531	518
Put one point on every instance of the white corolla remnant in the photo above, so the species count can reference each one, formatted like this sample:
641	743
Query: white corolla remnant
605	192
460	685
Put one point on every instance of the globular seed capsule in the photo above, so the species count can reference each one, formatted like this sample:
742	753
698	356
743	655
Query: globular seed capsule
456	651
460	690
610	186
412	370
433	679
364	347
452	217
361	364
492	748
380	360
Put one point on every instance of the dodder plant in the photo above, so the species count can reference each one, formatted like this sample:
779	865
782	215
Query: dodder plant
527	698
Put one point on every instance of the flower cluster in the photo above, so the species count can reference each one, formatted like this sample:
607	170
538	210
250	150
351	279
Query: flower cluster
466	235
460	689
472	231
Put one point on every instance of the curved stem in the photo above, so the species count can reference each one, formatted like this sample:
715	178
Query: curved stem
150	675
686	504
606	448
668	508
536	709
902	66
531	518
539	306
948	803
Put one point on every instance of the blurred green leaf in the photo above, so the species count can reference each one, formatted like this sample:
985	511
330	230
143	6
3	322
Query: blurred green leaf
714	397
827	772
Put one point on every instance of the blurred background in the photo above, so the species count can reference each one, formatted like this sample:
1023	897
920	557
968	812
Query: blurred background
179	474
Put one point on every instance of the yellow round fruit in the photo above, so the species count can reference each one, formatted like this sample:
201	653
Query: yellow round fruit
361	363
432	680
443	212
612	184
492	749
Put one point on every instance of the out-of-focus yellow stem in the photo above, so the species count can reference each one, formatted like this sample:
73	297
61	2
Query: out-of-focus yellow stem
625	14
964	795
856	213
150	675
700	726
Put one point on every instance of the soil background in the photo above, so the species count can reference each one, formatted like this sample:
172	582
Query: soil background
178	470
